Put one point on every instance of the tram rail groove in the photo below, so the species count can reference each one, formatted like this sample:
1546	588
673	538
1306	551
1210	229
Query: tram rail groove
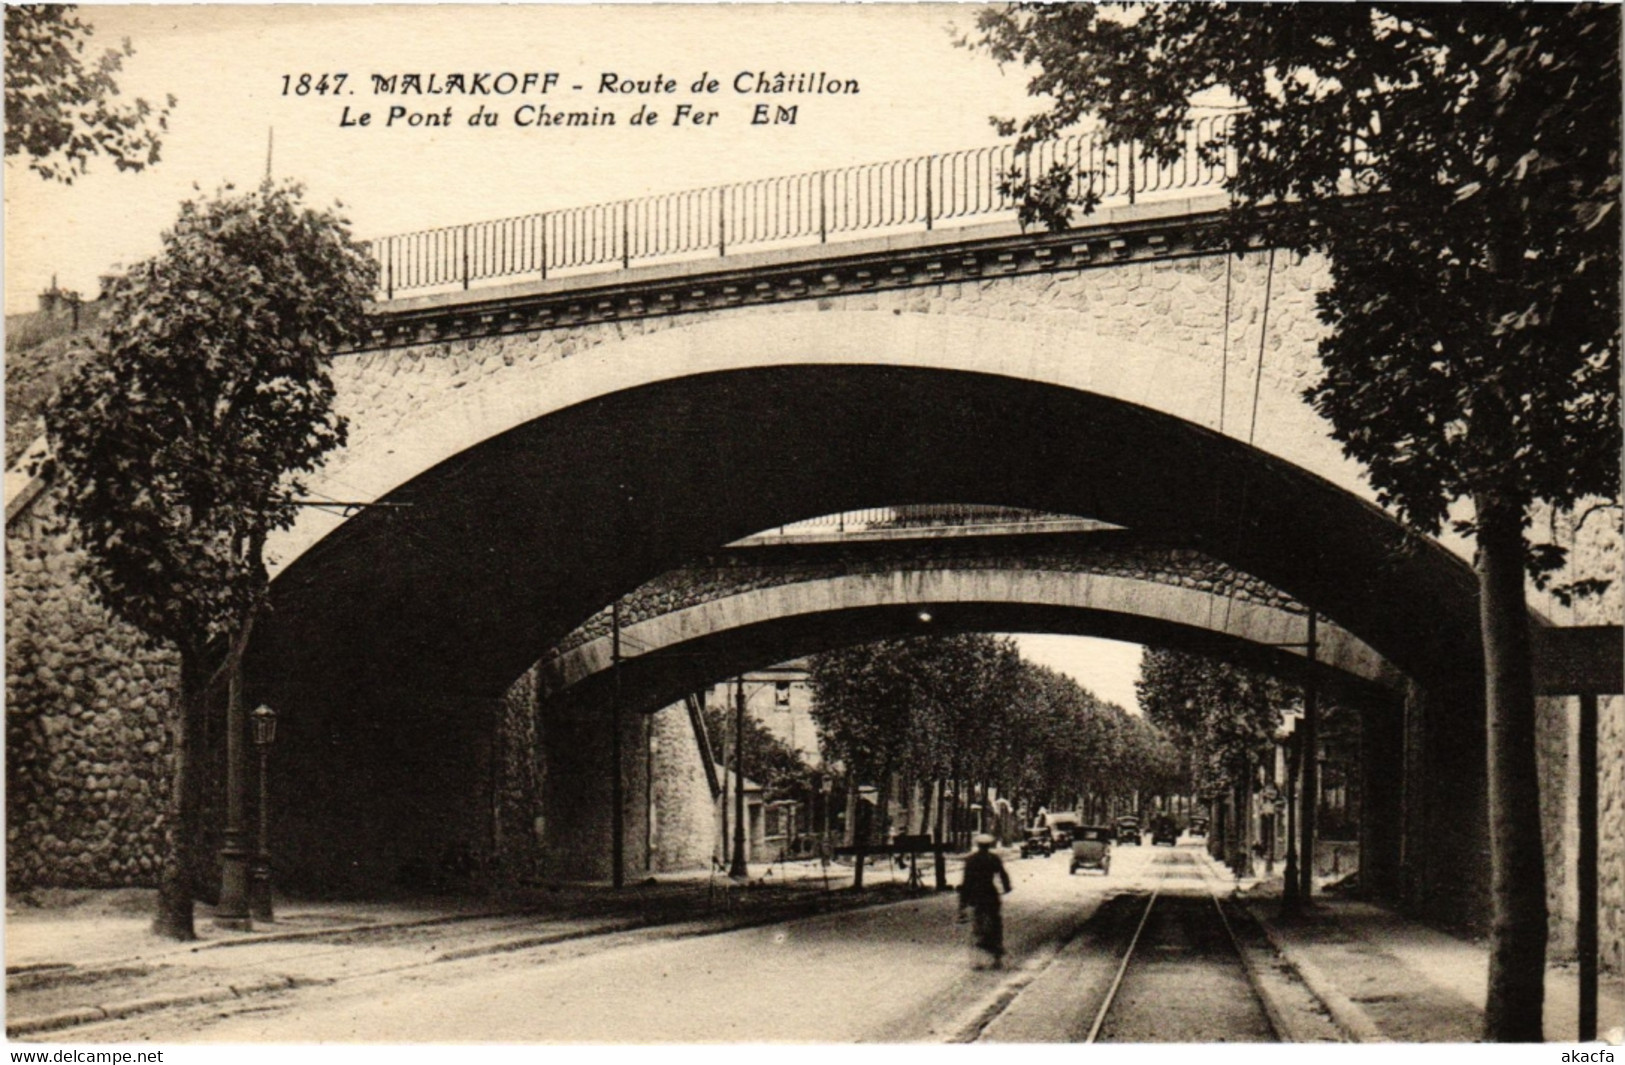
1122	969
1279	1030
1272	1014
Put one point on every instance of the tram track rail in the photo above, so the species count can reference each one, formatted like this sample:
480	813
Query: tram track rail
1168	967
1277	1029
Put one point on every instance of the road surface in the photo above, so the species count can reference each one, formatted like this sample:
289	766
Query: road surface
895	973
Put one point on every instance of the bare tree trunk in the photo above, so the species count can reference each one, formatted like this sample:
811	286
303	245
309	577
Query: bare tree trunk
884	807
1516	993
855	830
939	859
174	916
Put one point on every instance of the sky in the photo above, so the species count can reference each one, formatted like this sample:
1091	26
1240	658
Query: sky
1108	668
235	71
226	66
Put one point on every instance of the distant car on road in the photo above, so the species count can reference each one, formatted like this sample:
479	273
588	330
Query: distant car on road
1091	849
1128	830
1198	826
1038	842
1164	830
1061	826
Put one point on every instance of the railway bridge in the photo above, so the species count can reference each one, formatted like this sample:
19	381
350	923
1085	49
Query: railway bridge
553	412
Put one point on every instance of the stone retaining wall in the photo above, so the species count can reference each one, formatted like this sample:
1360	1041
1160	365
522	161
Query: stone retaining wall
1611	822
86	744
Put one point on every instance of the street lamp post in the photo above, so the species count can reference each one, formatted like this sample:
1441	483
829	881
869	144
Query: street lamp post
1290	885
737	868
1308	780
232	911
259	900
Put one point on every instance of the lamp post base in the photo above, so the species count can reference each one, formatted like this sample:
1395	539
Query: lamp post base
232	912
259	891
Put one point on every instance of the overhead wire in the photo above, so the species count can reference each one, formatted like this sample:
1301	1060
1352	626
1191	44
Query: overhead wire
1252	428
1224	390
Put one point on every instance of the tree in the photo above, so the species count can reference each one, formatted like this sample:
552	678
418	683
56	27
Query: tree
1459	167
967	708
1225	715
177	445
58	111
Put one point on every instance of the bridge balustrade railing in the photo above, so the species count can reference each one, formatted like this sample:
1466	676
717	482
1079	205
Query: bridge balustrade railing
901	194
915	516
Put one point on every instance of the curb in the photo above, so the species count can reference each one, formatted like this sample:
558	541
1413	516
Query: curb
291	935
294	935
84	1015
1345	1012
970	1024
1278	1018
91	1014
1347	1015
545	939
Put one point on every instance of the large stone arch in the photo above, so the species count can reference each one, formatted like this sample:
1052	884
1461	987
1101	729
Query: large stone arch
492	555
698	646
808	609
393	640
413	408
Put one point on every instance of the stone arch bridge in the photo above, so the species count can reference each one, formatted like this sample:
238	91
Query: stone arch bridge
545	447
766	600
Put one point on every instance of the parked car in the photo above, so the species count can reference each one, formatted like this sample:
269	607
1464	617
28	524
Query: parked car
1038	842
1061	826
1091	849
1198	826
1164	830
1128	830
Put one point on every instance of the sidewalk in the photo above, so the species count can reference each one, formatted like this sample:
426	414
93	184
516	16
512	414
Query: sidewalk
1385	978
83	957
80	957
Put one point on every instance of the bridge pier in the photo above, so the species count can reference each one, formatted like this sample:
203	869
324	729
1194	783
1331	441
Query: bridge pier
382	792
1382	826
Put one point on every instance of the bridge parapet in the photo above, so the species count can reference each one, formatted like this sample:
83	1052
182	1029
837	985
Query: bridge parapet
917	521
745	567
898	195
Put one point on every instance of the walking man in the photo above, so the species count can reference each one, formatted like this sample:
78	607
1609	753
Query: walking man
977	891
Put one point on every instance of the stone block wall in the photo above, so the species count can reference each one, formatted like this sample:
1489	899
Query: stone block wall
683	818
577	834
1611	829
1558	751
1555	752
552	793
87	699
377	795
518	818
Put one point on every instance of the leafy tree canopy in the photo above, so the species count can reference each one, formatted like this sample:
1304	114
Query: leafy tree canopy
768	760
968	707
59	110
1460	165
1225	715
178	444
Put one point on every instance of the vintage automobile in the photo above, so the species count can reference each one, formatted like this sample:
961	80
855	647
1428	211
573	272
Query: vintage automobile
1038	842
1128	830
1091	849
1165	830
1198	826
1061	827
